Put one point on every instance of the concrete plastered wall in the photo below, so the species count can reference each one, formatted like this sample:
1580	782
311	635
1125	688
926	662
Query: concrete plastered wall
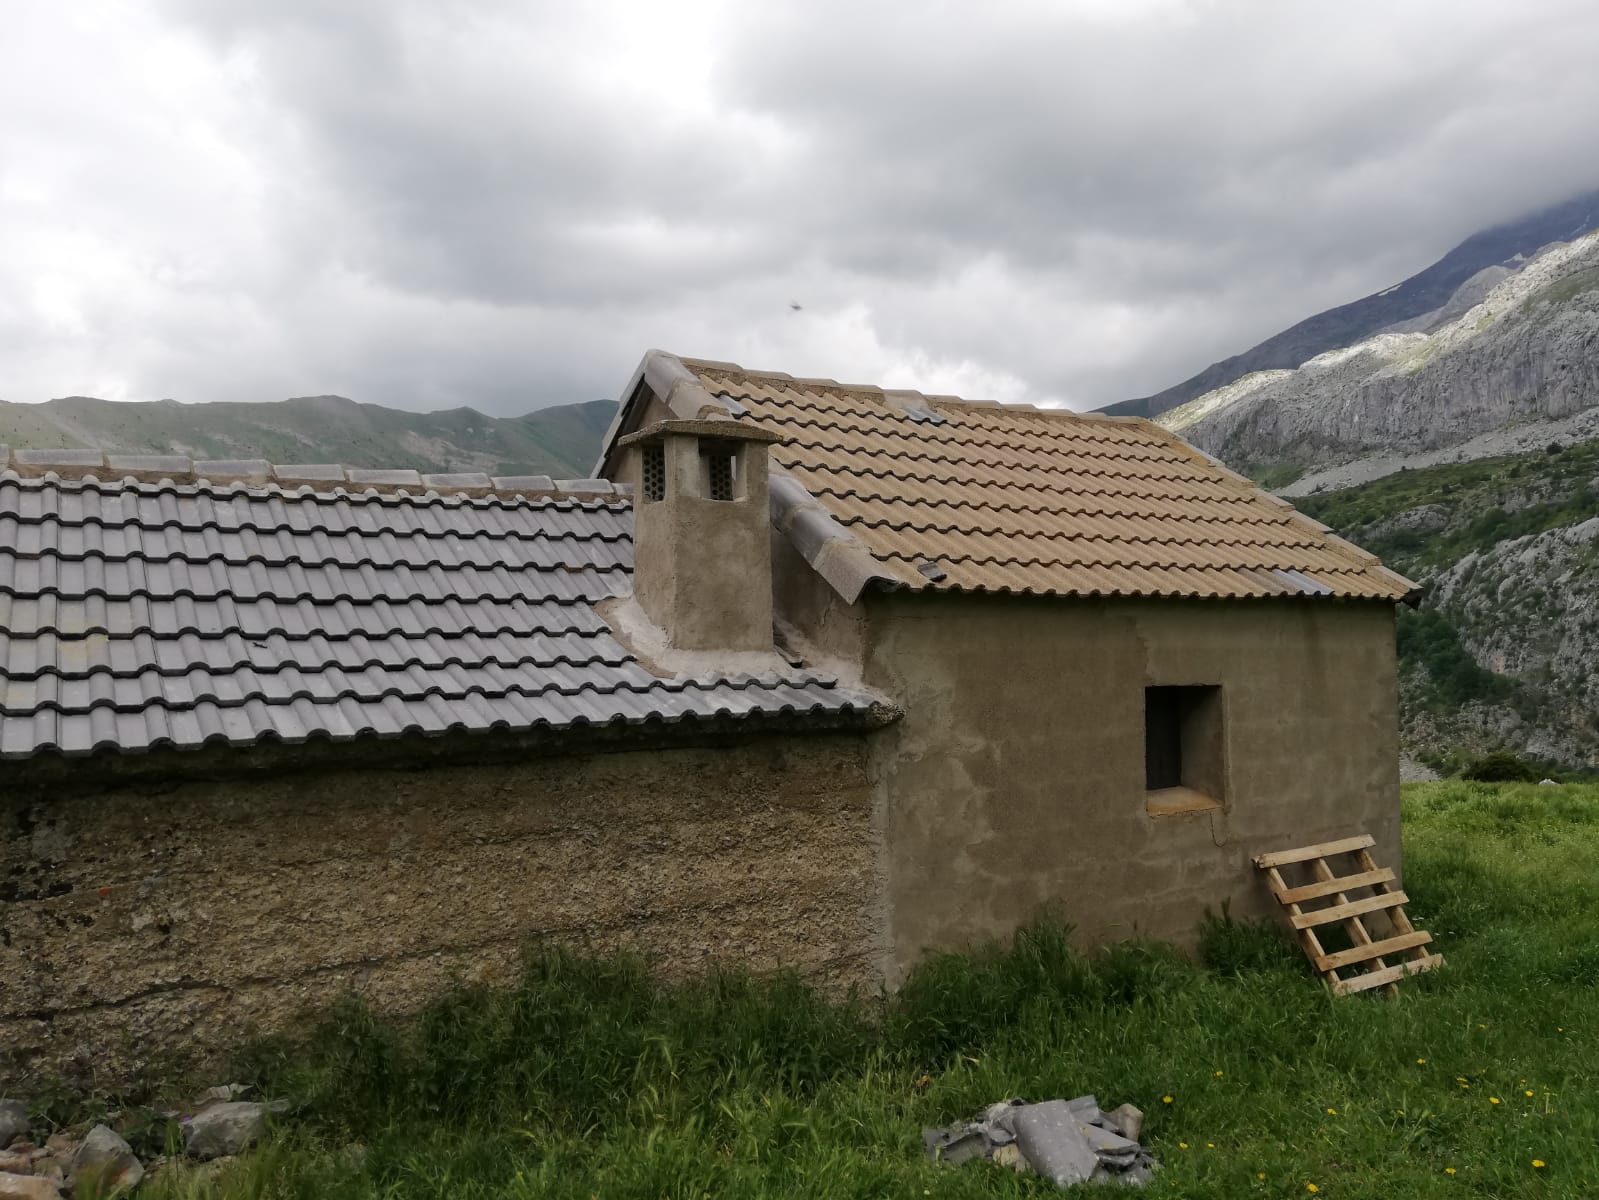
1016	779
158	922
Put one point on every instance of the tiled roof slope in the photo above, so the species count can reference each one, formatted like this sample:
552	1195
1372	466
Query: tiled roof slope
135	615
951	494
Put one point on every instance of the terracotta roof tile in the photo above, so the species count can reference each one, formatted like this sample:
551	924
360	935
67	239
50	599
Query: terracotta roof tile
1012	499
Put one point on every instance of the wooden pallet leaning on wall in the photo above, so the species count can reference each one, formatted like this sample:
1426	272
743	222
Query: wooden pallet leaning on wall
1365	964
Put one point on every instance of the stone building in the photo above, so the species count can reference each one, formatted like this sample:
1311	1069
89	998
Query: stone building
808	676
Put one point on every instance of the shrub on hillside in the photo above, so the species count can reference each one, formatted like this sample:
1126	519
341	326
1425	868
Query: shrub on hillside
1500	767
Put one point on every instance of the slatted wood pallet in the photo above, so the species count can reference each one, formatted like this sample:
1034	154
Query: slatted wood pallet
1366	955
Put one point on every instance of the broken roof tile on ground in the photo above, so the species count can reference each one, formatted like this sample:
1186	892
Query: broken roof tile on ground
1012	499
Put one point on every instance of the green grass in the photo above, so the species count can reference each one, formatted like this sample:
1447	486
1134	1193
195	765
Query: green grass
588	1080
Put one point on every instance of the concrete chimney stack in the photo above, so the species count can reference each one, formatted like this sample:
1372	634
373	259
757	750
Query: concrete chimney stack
701	532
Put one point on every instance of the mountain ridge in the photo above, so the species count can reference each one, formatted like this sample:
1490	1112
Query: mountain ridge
1526	353
558	440
1415	297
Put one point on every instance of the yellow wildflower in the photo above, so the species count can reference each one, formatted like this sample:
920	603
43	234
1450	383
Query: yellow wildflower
1449	1170
1182	1145
1165	1099
1332	1112
1310	1187
1493	1099
1260	1175
1529	1091
1538	1164
1218	1074
1210	1145
1421	1062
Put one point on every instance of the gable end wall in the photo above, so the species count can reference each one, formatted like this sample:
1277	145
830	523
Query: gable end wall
1016	780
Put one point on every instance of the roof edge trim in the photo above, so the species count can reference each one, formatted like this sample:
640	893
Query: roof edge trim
675	386
833	552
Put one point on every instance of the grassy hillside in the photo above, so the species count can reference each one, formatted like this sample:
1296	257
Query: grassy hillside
560	441
1421	521
1502	652
586	1079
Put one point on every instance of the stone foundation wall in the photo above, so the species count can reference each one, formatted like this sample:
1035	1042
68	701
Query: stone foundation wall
146	926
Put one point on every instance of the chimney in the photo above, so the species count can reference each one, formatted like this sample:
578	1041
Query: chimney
702	551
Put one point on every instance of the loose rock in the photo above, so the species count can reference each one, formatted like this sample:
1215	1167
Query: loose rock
224	1093
27	1187
226	1128
108	1158
13	1121
12	1163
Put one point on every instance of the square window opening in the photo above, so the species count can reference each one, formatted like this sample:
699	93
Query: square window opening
655	472
720	464
1183	756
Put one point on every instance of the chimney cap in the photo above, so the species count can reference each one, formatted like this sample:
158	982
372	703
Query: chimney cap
732	431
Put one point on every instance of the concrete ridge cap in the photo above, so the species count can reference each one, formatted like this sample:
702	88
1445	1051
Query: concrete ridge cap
703	427
869	390
63	464
719	366
444	487
836	554
679	388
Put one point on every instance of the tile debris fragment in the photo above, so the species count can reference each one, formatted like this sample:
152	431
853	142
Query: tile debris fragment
1066	1141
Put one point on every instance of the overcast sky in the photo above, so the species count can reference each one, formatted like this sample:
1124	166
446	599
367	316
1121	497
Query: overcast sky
429	203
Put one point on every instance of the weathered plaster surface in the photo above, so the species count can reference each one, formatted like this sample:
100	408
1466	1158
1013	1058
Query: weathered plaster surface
152	921
702	566
1016	779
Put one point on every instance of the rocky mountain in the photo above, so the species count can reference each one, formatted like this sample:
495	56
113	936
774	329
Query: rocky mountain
1472	264
1503	652
1510	347
557	441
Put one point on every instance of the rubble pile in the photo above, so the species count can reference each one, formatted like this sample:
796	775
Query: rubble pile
1066	1141
53	1166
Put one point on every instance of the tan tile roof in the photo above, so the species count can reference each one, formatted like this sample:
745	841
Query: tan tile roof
950	494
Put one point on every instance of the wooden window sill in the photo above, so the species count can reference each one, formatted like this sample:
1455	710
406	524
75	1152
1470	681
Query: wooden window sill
1169	802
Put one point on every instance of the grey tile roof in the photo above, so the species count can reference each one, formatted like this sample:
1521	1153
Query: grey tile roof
136	615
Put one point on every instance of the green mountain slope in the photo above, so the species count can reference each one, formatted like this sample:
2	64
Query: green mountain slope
1503	652
560	441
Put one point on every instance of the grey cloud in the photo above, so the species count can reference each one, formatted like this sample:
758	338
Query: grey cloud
502	205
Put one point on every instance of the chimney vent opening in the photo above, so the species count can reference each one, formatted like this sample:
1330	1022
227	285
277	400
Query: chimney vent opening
654	472
720	460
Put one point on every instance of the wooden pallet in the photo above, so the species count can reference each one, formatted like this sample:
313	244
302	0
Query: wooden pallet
1367	955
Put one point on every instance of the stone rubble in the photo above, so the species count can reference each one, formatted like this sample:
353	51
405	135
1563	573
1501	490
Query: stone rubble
1066	1141
220	1126
27	1187
105	1155
226	1127
13	1121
